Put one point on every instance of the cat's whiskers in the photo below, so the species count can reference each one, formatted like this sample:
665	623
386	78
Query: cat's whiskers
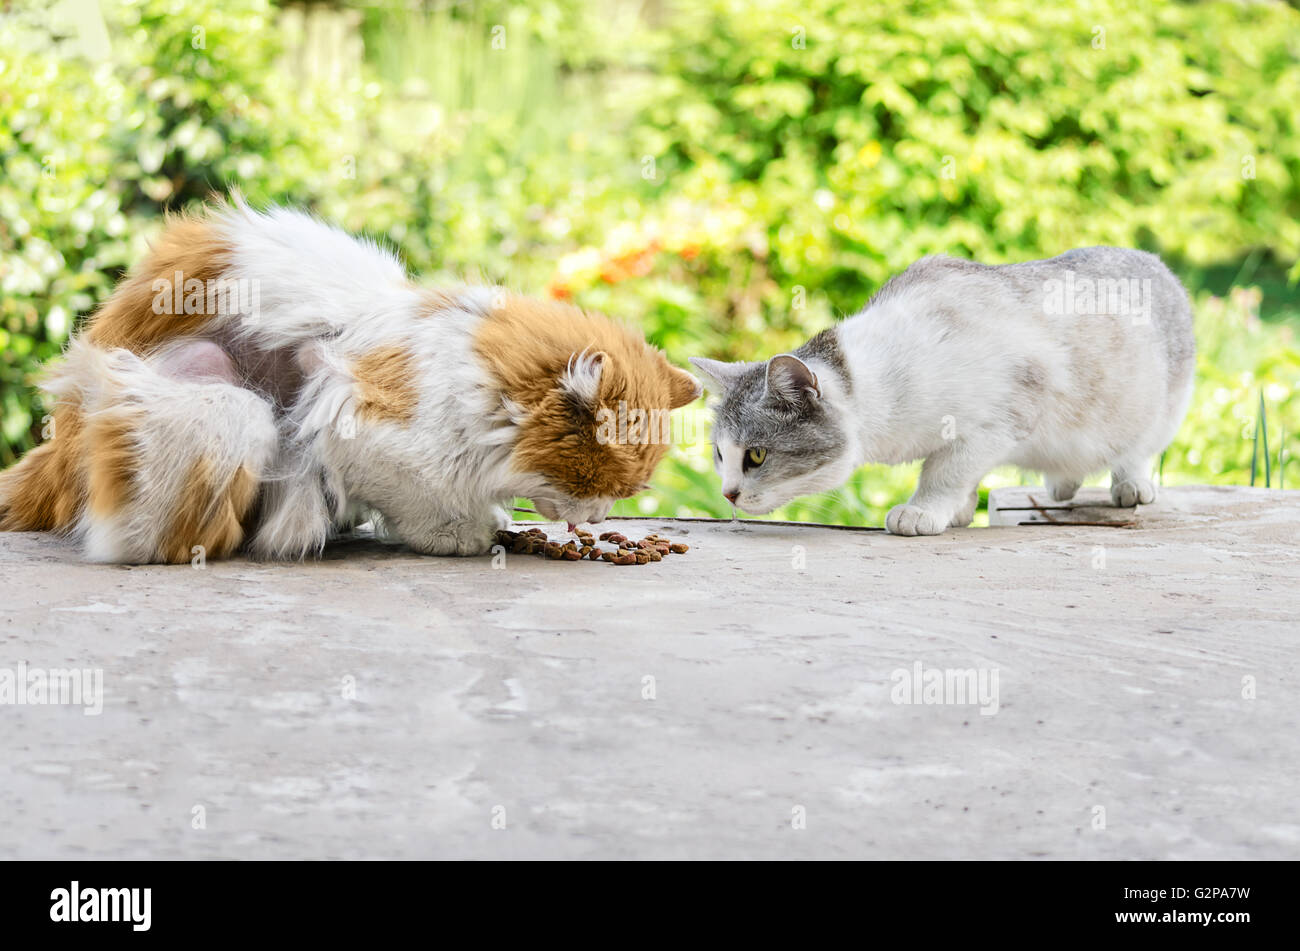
830	506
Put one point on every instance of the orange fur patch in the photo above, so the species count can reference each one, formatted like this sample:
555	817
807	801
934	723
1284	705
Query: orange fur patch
44	491
110	463
129	318
208	514
528	344
386	385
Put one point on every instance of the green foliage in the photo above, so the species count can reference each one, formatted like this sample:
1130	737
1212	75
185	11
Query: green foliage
62	233
1240	360
866	135
729	181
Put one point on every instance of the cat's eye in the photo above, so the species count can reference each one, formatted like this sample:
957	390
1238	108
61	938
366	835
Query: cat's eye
755	457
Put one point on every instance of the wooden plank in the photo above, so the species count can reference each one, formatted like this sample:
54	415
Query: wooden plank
1034	506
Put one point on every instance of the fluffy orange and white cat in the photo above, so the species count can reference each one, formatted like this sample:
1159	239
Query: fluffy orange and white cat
264	379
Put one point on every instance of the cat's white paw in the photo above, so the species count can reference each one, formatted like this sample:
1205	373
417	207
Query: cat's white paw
1063	490
463	539
913	520
1130	492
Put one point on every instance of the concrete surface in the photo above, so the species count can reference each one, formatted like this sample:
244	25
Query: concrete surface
1126	662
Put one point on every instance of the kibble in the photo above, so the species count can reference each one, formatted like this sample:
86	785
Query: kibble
533	541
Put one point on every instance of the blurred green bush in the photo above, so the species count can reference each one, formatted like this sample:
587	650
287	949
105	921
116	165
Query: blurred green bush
731	179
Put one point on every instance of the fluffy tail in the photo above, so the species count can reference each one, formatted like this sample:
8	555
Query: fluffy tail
120	422
142	467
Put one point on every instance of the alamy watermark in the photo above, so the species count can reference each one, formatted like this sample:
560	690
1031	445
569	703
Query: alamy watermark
1098	297
78	903
215	297
36	686
947	686
655	426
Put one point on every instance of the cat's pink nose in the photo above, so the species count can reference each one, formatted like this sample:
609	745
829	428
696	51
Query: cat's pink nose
731	496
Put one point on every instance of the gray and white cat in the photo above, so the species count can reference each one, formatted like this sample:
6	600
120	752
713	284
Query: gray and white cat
1069	366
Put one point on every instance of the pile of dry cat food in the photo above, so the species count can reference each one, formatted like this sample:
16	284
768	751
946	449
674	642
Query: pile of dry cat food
533	541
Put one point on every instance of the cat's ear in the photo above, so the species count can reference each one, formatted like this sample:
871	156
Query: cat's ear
581	378
683	389
722	375
789	380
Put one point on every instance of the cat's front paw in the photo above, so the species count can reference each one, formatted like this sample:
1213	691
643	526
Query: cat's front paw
461	539
1131	492
913	520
